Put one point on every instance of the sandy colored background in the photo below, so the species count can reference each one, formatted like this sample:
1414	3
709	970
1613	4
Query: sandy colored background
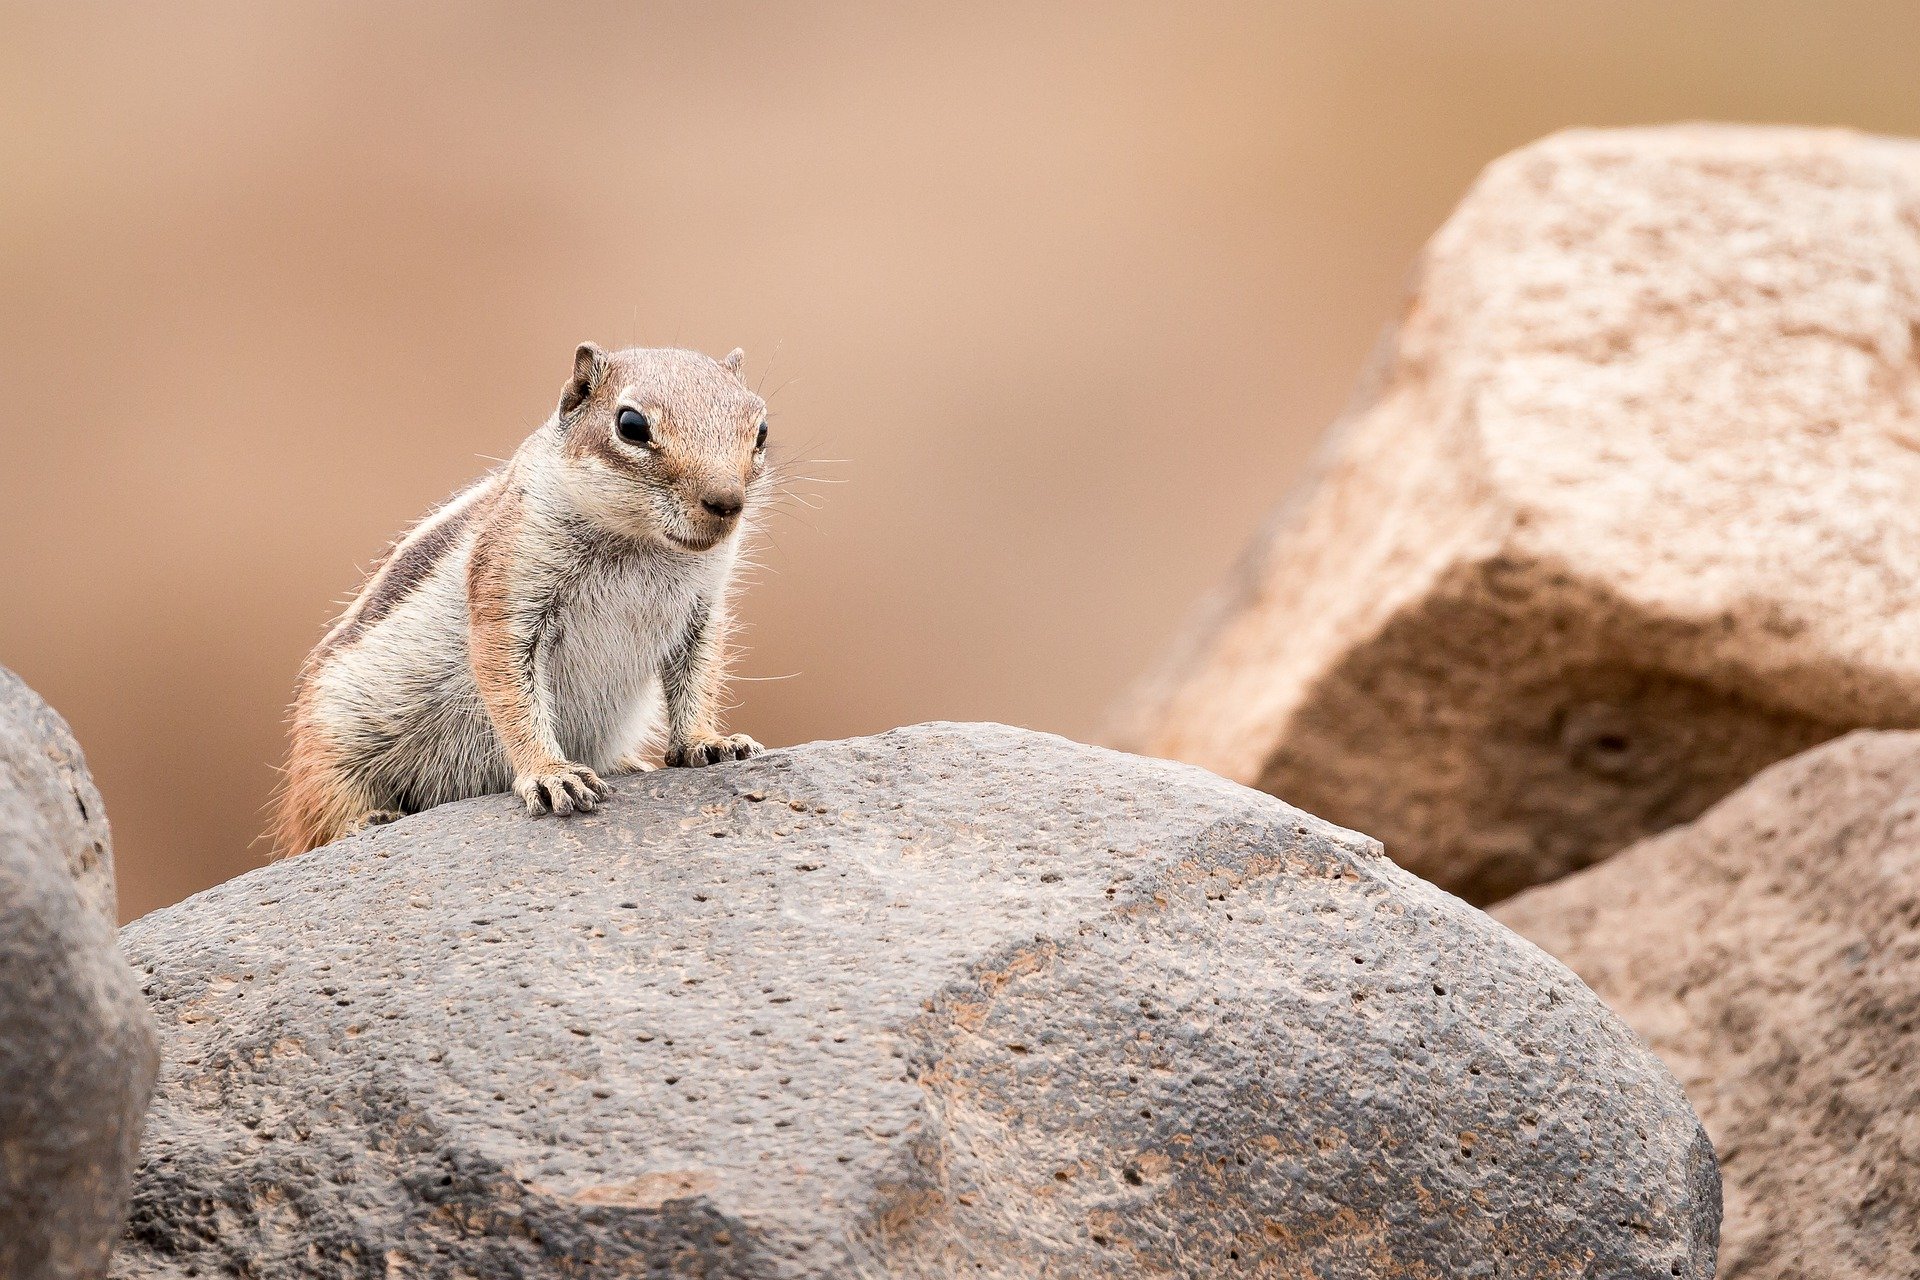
1067	292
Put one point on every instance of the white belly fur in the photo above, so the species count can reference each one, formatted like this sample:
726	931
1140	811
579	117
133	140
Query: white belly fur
611	636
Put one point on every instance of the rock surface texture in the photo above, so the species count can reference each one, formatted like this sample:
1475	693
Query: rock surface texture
1629	510
1771	954
77	1057
956	1000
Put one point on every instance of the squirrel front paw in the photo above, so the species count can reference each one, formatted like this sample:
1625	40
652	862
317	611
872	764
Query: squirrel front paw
560	788
701	751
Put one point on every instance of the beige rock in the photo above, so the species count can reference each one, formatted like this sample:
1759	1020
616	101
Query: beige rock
1630	509
1770	953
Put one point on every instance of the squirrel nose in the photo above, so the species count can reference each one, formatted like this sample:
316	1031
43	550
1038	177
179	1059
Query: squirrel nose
724	503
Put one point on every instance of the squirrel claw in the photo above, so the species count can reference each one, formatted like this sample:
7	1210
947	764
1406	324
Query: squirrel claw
374	818
561	790
705	751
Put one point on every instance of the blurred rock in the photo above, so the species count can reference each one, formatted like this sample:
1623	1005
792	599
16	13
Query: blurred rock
1770	952
951	999
47	790
1630	509
77	1056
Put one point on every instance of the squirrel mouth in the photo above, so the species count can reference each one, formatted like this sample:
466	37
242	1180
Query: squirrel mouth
687	544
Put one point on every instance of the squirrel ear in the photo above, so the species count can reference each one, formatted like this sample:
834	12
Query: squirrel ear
589	364
732	362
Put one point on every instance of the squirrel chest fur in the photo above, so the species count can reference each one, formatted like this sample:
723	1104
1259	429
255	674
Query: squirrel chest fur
551	622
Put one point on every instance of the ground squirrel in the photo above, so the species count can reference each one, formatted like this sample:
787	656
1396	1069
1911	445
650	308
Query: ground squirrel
527	632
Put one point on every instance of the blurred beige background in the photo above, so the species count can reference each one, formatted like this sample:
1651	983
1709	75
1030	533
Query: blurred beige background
1064	292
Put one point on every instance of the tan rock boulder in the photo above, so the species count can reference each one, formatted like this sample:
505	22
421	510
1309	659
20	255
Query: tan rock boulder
1630	509
1770	952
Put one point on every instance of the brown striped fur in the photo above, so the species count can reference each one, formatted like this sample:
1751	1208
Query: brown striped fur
524	633
401	569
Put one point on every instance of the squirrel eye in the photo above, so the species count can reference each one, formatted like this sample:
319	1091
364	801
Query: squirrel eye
760	437
634	427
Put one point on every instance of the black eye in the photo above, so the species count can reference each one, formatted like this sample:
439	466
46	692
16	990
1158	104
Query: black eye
634	427
760	437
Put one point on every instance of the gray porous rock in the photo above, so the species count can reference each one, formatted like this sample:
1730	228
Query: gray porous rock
1770	953
953	1000
77	1045
1629	511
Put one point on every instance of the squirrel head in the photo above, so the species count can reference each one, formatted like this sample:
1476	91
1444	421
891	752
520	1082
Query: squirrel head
662	445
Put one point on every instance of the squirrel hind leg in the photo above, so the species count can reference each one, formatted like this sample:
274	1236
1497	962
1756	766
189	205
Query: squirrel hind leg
373	818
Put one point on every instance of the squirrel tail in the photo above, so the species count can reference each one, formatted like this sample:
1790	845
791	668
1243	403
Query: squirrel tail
316	802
